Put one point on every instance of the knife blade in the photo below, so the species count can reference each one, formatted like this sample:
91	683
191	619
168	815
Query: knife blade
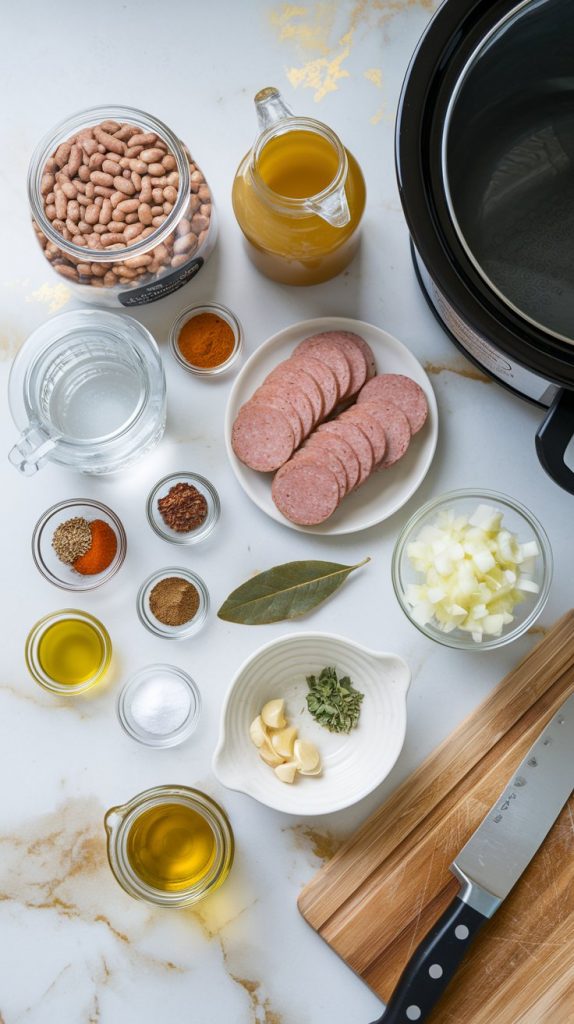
489	865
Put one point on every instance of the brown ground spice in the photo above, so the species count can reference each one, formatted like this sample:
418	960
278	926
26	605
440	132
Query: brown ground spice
174	601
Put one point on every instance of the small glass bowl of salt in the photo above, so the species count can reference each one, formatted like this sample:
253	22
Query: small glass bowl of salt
159	706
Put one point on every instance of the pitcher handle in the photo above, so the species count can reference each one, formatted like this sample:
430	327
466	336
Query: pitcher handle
32	450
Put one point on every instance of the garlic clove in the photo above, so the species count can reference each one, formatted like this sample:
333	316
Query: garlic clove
316	771
270	756
284	740
306	755
273	714
258	732
286	772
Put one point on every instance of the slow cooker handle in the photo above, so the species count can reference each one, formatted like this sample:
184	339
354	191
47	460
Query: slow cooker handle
553	437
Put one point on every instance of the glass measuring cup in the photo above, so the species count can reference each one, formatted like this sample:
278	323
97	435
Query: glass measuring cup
298	196
126	830
87	390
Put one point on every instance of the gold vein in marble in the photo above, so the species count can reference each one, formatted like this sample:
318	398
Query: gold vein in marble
466	370
323	73
261	1009
11	339
374	75
322	844
316	33
54	296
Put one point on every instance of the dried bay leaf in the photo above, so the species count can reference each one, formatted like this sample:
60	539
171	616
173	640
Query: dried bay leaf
285	591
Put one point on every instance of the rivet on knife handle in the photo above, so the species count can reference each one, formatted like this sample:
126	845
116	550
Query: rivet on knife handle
433	964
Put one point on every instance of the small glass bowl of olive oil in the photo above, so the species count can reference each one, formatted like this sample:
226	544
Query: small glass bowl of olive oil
68	652
170	845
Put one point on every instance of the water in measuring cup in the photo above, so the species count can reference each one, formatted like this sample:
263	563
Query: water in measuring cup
92	390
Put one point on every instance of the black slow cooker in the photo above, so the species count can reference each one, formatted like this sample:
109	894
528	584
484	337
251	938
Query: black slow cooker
485	164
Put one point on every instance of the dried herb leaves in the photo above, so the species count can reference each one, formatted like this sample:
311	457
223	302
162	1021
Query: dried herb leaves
333	702
284	592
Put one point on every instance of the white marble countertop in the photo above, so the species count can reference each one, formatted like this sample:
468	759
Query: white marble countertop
75	948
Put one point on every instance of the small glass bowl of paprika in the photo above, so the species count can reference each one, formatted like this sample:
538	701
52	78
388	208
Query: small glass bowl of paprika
79	544
206	340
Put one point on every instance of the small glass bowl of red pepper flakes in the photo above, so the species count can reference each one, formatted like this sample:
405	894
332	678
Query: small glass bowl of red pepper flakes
183	508
79	544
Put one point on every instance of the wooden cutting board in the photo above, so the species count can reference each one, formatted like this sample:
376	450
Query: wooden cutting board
383	890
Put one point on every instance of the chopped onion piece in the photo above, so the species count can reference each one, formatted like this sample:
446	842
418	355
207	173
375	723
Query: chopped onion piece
528	585
530	549
487	518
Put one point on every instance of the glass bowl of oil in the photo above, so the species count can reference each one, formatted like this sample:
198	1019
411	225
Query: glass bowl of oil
60	573
68	651
170	845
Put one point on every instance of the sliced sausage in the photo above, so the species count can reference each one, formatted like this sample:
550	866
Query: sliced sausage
396	427
331	355
262	437
404	392
366	350
323	376
325	457
371	427
276	400
358	441
298	400
305	493
342	450
343	340
293	379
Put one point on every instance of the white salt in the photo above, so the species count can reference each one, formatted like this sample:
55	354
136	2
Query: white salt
161	704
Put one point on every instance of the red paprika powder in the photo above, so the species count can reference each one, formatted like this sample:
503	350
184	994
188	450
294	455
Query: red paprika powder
102	551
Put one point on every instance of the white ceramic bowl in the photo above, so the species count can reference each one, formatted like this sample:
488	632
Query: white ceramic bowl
353	764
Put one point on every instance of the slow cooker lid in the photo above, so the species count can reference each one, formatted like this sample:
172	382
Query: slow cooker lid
508	162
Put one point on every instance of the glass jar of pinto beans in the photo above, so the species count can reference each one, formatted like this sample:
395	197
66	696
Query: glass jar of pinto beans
119	206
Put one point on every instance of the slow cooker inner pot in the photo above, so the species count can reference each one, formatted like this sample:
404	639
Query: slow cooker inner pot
508	162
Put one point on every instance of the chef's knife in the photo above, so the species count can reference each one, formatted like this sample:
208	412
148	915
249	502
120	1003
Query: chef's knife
490	865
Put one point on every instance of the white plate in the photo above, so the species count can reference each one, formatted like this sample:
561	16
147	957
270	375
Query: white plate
353	764
385	492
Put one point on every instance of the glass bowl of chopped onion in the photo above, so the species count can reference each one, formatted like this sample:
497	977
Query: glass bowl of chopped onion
472	569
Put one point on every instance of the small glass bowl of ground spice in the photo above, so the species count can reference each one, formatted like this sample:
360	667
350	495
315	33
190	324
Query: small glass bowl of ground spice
173	603
183	508
206	340
79	544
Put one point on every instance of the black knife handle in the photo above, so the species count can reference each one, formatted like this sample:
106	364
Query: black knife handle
433	964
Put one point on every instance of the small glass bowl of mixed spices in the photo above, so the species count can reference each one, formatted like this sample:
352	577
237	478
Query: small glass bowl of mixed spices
183	508
79	544
173	603
206	340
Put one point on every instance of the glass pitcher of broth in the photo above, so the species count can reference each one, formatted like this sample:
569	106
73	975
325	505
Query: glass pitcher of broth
170	845
87	390
298	196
